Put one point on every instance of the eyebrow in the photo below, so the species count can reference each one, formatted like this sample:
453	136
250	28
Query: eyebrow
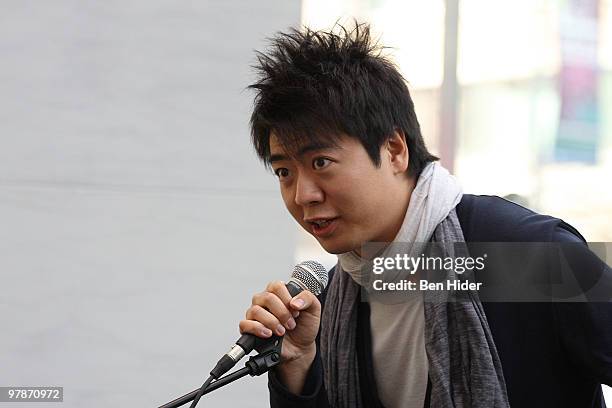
303	151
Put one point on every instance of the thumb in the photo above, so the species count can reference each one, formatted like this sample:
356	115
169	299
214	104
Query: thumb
303	300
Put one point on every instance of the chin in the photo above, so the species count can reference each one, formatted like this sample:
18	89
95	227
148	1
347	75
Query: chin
336	248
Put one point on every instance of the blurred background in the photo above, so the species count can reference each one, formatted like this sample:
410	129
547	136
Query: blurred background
136	219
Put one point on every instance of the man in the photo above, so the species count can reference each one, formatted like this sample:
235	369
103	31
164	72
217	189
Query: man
335	121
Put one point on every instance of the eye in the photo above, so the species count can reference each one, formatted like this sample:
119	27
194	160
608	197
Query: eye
320	162
281	172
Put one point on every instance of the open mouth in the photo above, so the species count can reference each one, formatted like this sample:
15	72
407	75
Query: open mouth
323	227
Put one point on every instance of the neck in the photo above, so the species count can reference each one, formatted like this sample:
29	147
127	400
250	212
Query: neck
402	209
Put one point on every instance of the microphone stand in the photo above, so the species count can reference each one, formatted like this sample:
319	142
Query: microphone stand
268	357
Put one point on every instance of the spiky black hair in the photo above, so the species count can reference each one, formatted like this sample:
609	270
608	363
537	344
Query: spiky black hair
315	86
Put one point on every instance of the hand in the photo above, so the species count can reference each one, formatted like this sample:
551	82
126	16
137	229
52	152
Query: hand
298	319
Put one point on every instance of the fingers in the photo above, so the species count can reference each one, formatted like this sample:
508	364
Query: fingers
269	320
270	308
274	311
254	327
280	289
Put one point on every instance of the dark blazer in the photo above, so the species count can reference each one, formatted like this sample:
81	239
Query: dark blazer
552	354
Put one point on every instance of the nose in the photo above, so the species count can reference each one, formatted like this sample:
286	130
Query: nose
307	192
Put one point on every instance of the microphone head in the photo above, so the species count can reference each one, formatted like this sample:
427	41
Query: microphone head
310	275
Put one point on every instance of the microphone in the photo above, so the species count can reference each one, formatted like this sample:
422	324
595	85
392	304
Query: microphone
307	275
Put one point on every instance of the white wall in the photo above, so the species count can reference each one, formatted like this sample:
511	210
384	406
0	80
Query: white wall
135	220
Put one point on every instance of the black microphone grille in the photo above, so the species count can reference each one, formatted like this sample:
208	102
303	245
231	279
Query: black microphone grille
312	275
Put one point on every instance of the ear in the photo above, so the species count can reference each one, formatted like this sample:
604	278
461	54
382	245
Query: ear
397	151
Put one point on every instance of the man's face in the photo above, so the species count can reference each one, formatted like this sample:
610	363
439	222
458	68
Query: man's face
339	196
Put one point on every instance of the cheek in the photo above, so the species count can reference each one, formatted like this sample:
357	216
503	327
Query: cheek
360	204
350	202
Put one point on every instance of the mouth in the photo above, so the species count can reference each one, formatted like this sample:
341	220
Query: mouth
323	227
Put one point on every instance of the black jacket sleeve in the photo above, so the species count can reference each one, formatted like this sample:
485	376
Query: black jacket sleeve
313	394
585	328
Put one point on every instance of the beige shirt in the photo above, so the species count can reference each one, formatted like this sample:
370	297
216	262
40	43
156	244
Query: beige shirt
398	347
398	351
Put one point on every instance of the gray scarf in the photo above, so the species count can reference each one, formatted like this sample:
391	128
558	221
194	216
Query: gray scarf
464	367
